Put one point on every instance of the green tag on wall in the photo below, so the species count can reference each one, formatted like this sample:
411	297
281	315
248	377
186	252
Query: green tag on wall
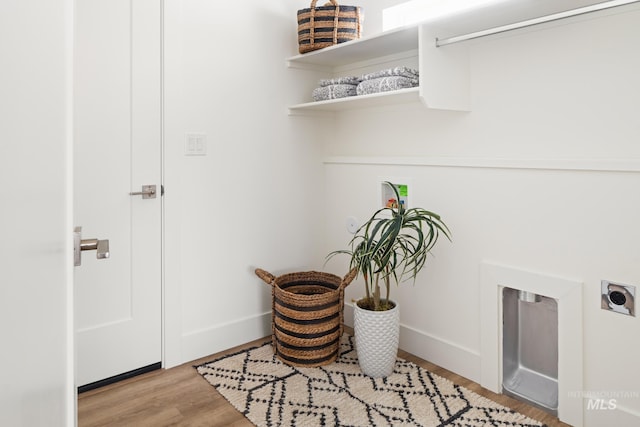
403	190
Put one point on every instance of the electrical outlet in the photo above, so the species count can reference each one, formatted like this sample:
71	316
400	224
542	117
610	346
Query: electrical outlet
618	298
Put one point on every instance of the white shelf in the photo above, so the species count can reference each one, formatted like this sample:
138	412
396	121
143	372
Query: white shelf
400	96
384	44
444	72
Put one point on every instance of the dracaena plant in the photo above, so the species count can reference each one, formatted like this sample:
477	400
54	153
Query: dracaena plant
392	246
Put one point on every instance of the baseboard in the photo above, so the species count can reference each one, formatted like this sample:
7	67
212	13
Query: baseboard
223	336
448	355
445	354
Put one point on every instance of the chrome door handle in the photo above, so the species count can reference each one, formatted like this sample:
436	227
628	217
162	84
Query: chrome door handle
100	246
79	245
148	192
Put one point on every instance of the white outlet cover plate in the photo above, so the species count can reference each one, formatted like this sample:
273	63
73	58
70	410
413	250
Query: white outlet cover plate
352	224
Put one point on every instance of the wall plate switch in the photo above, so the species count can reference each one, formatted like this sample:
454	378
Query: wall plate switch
195	144
618	297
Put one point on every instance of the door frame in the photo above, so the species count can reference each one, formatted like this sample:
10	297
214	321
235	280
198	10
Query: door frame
171	201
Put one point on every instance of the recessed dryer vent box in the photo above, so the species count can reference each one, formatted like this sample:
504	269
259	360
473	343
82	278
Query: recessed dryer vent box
387	196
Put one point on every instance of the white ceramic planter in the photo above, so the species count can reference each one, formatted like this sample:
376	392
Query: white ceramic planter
377	334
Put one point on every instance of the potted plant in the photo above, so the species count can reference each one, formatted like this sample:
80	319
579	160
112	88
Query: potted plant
392	246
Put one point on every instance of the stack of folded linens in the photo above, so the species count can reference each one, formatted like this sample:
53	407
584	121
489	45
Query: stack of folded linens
388	80
341	87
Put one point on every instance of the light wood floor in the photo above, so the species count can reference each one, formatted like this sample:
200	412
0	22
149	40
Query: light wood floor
180	397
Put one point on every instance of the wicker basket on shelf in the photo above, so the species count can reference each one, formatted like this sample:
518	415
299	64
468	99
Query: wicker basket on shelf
324	26
308	316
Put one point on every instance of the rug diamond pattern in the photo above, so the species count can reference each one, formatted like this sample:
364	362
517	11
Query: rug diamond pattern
271	393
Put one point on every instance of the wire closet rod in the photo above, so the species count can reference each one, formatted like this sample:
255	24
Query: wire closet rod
535	21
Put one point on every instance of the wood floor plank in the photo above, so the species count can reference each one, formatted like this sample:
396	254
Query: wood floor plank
180	397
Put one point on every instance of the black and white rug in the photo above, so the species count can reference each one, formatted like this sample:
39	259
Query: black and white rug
271	393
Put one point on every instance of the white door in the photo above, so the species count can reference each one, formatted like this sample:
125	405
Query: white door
117	151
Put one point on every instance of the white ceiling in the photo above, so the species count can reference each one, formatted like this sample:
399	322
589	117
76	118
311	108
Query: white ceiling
503	13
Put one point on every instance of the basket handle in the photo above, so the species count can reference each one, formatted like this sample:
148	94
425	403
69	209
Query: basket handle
267	277
348	278
312	20
313	3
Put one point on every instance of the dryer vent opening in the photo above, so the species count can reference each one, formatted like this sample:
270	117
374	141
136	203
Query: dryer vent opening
530	348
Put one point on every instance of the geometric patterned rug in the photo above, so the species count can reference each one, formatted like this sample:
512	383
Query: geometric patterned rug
271	393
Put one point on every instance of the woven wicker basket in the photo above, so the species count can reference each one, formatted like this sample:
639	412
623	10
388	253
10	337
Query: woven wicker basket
308	316
324	26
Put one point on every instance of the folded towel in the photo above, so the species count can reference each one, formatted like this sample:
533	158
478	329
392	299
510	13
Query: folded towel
410	73
333	92
385	84
349	80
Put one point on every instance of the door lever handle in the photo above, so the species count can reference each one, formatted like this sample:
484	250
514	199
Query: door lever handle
79	245
100	246
148	192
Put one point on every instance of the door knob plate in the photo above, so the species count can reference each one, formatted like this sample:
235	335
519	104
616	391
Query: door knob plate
148	192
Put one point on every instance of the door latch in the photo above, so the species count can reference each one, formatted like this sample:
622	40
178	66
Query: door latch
148	192
79	245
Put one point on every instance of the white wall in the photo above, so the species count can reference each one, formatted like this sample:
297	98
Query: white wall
36	330
255	199
542	175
